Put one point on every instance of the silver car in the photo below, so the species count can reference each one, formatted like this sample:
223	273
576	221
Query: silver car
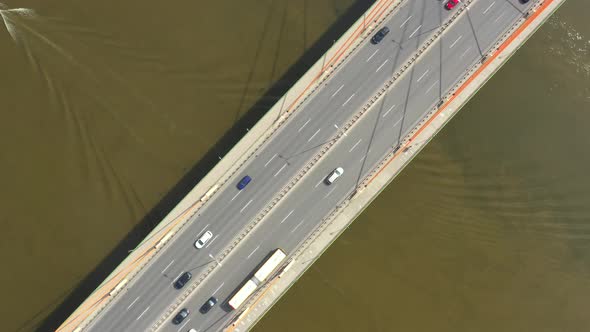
200	243
334	175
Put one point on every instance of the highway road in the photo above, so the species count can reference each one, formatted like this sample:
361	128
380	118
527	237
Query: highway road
412	95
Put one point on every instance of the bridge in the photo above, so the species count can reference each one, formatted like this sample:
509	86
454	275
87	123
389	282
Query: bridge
366	107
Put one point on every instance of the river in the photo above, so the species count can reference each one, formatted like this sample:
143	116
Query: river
113	109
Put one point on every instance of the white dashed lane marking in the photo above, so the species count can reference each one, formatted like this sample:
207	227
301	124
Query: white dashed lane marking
280	170
383	64
340	88
282	221
312	136
372	55
354	146
273	157
132	303
456	41
489	7
305	124
389	110
406	21
146	309
413	33
347	100
253	251
245	206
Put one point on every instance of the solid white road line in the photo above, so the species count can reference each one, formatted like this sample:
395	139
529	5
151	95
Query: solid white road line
340	88
312	136
372	55
395	124
212	240
245	206
273	157
280	170
253	251
406	21
236	195
146	309
467	50
354	146
183	325
456	41
389	110
421	77
413	33
432	86
282	221
489	7
132	303
166	268
299	224
218	288
383	64
347	100
300	129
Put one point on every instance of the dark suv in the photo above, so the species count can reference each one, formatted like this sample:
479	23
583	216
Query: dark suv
208	305
378	37
180	316
184	278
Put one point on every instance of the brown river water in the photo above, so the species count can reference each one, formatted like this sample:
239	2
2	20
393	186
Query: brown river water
112	110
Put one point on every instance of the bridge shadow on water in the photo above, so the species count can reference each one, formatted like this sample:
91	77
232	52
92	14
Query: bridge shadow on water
68	303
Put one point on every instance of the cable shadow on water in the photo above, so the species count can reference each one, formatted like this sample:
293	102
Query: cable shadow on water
151	219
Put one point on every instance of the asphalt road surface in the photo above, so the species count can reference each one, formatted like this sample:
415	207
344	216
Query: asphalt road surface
412	95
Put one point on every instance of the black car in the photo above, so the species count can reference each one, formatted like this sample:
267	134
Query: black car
182	280
378	37
180	316
208	305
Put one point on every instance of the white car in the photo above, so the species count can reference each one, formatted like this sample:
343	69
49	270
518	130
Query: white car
200	243
334	175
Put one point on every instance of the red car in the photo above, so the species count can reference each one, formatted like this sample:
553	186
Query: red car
451	4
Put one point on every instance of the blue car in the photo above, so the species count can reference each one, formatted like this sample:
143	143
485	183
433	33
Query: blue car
244	182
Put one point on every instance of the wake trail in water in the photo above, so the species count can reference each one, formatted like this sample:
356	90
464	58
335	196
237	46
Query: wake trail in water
8	16
43	44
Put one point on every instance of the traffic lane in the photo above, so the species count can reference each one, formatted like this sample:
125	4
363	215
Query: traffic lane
155	289
262	243
388	143
407	25
343	95
420	78
406	21
350	72
488	14
256	248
